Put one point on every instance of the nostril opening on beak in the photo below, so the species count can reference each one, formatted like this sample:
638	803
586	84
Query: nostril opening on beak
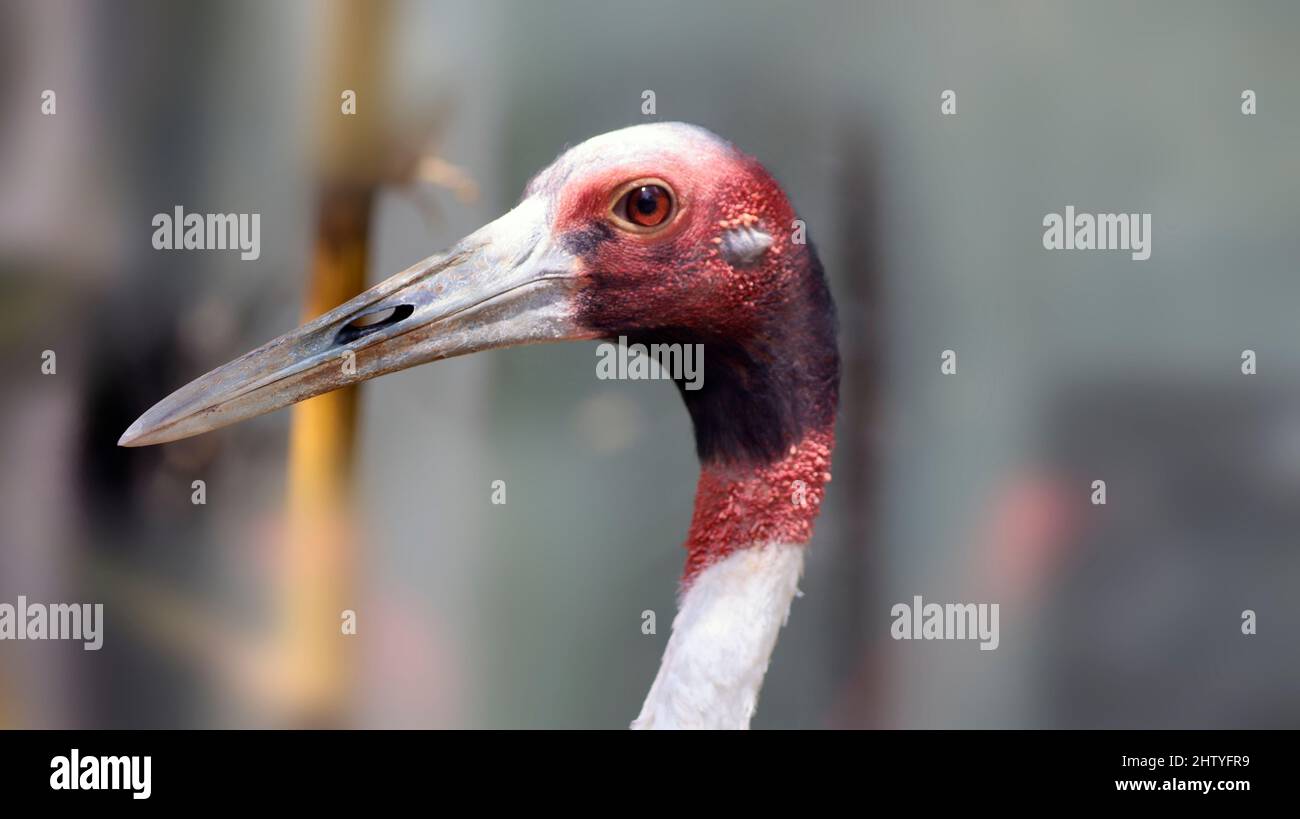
370	322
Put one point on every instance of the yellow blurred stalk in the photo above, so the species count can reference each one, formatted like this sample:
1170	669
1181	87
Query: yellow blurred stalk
317	583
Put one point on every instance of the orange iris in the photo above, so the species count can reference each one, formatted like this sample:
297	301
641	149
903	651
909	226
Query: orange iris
648	206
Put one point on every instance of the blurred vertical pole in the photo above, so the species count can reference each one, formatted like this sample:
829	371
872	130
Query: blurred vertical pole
319	577
861	315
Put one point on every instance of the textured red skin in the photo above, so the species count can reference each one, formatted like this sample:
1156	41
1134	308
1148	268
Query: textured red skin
679	277
742	507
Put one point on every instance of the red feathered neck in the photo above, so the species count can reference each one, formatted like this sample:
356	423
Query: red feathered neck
737	507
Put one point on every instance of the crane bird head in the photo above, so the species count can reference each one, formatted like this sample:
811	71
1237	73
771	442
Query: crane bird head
660	233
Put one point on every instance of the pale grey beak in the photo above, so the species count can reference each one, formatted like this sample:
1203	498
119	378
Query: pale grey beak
505	284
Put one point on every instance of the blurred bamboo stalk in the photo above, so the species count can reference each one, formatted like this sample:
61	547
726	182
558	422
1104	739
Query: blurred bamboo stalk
320	527
317	583
302	670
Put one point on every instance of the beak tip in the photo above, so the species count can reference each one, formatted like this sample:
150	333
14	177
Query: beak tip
133	434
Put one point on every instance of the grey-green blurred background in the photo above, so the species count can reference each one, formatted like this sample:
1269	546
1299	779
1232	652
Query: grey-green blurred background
1072	366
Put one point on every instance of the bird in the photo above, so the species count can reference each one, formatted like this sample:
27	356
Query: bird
657	233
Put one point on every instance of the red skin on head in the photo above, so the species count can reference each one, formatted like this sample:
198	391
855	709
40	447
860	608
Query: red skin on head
680	277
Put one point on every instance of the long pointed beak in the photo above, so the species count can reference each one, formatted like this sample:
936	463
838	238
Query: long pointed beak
503	285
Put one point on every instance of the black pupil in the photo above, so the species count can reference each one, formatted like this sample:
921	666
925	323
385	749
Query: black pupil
647	200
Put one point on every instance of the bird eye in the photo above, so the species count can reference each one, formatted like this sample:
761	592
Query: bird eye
645	206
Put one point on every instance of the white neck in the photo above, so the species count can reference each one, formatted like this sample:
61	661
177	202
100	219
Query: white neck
722	639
